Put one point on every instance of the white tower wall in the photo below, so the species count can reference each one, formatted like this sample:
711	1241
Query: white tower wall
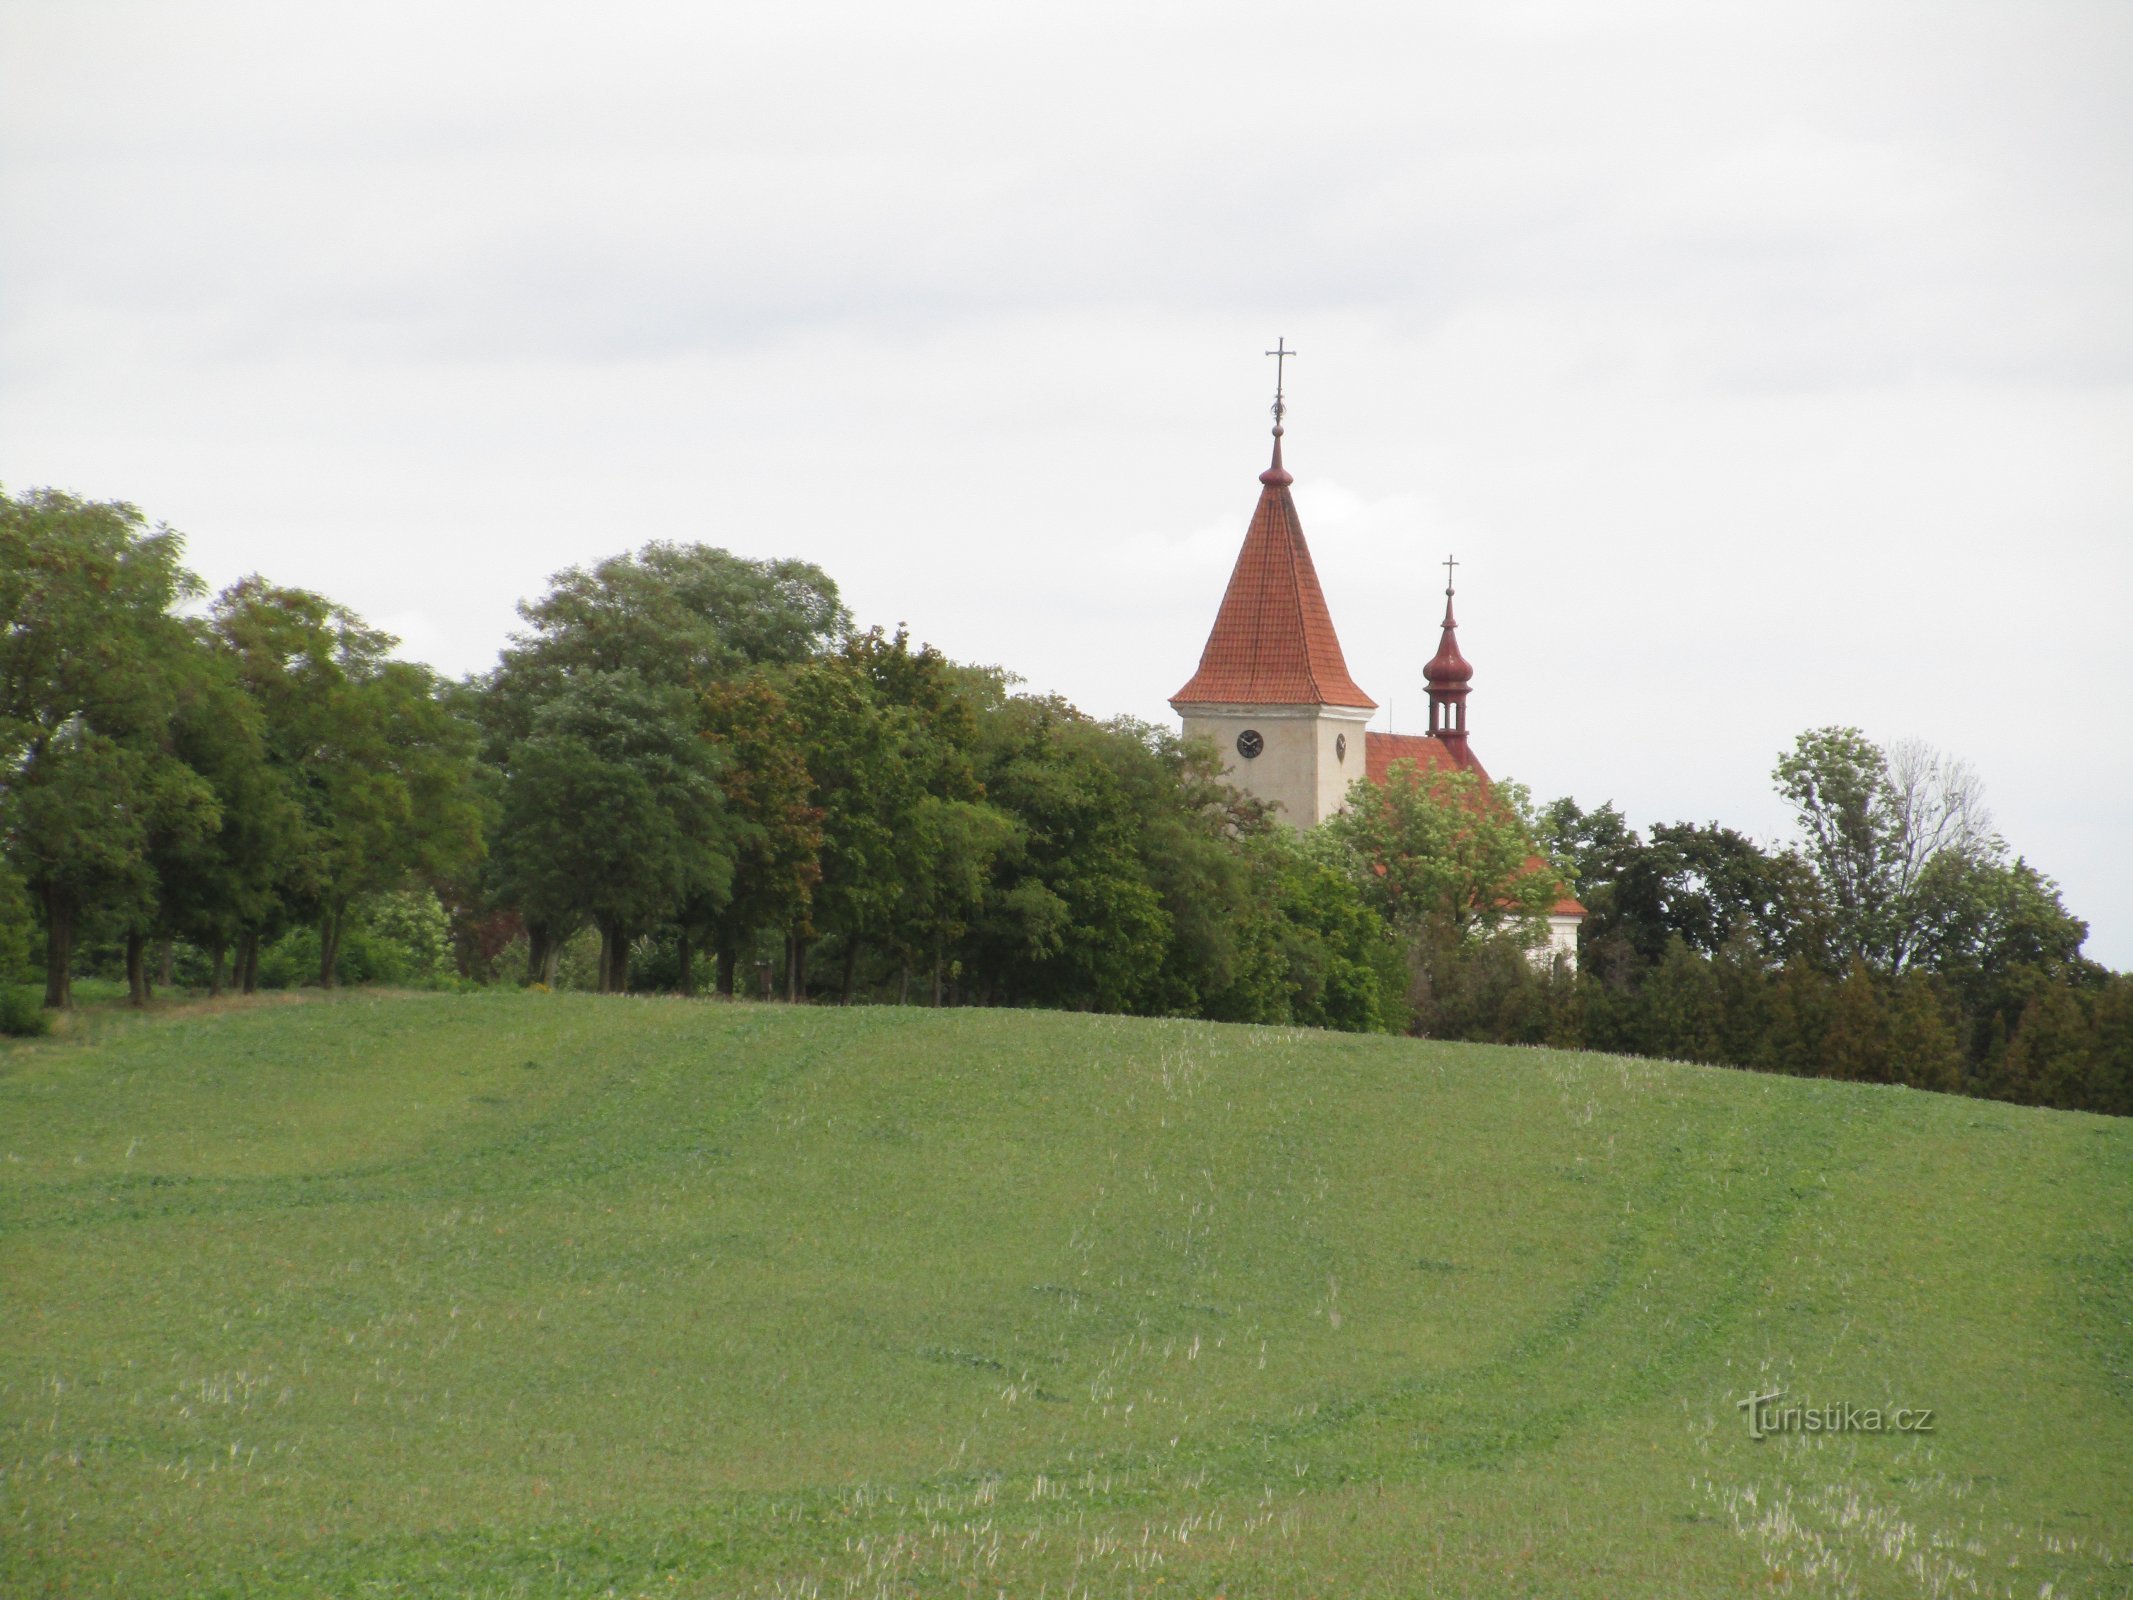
1301	768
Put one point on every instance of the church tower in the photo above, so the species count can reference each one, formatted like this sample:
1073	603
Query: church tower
1273	691
1274	694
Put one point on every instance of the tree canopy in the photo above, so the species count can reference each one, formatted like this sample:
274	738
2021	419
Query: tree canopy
688	750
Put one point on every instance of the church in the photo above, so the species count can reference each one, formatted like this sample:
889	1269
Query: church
1274	694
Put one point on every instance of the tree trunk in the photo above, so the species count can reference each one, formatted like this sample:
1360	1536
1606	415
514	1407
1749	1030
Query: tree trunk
795	968
329	943
551	958
218	956
137	968
58	951
614	959
851	964
246	975
726	959
538	939
167	960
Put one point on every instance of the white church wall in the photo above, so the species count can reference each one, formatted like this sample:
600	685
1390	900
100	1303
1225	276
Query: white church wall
1562	941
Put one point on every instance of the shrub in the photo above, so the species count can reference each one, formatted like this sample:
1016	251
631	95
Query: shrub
22	1014
397	938
412	934
579	965
18	931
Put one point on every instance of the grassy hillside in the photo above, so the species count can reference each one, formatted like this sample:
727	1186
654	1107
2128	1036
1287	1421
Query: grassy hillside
532	1295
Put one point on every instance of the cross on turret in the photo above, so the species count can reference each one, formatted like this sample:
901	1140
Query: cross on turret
1281	353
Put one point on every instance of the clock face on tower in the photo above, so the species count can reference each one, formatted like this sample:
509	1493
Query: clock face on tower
1249	744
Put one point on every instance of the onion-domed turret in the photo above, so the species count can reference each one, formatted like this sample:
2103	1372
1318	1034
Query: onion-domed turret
1448	666
1449	674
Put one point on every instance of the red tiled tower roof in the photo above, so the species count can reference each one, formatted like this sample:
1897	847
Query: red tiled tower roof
1273	641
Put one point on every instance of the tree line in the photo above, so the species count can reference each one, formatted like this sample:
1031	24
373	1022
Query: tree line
1899	941
691	771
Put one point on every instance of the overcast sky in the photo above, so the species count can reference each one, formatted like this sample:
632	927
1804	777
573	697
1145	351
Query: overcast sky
1767	365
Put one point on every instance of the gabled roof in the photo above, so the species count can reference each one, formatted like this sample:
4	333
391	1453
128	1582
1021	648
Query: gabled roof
1432	754
1273	641
1566	904
1428	752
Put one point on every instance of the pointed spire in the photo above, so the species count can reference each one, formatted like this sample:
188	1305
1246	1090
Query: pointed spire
1273	641
1448	674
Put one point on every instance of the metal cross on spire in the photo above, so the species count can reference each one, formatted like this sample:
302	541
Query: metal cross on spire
1449	563
1281	353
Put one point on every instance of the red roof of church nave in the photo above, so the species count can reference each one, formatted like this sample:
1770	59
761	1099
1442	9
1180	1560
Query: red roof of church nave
1431	754
1428	752
1273	641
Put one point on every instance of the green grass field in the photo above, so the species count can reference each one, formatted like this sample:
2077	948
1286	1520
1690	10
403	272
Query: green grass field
552	1295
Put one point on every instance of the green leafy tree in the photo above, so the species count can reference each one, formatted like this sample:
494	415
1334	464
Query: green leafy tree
1435	847
1189	827
1875	824
1925	1049
1682	1004
413	924
2052	1058
1742	974
1800	1005
682	615
1856	1044
1706	885
1998	933
776	828
947	834
216	883
612	811
18	926
948	869
2112	1013
380	766
1073	918
91	658
867	789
